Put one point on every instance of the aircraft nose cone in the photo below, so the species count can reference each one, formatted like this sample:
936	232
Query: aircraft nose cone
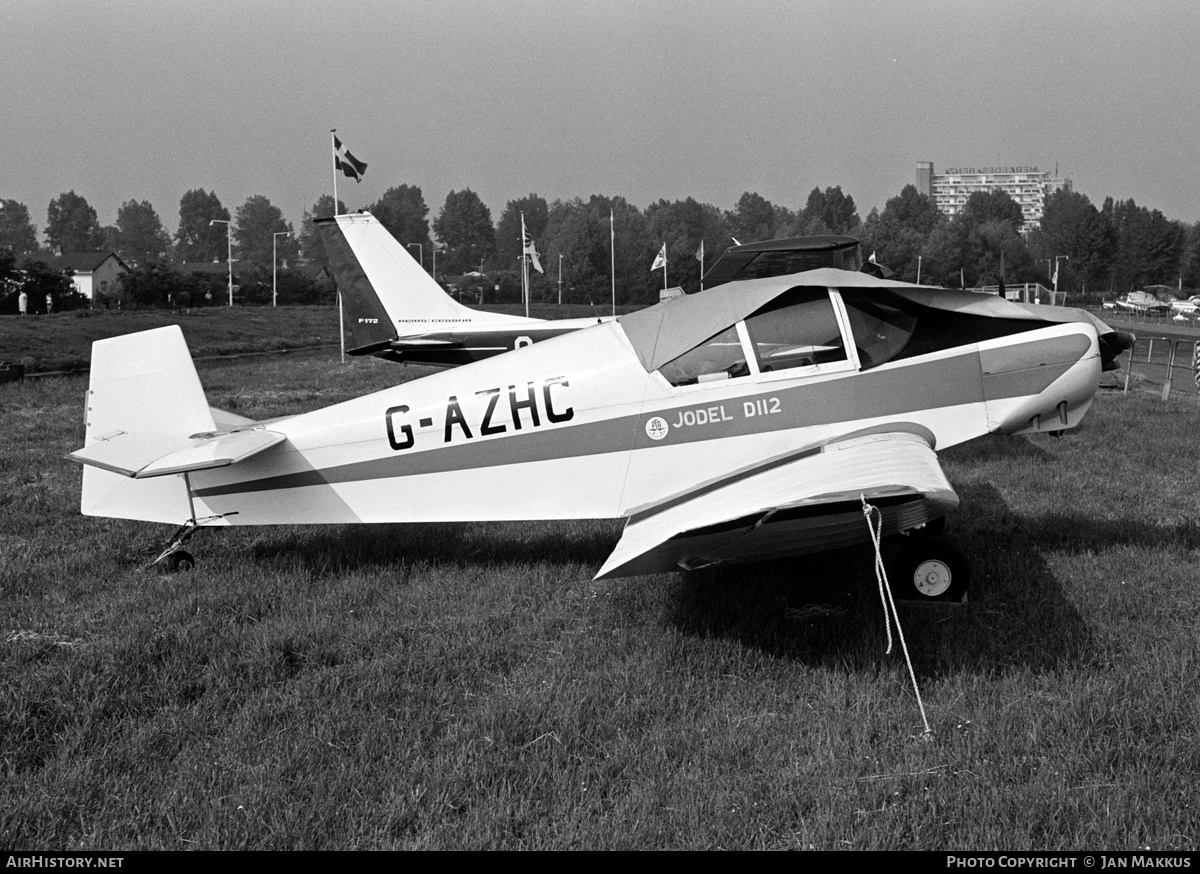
1112	344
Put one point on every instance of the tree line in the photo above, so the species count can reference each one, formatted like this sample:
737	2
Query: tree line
584	243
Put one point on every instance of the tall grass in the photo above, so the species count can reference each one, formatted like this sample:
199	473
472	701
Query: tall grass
470	686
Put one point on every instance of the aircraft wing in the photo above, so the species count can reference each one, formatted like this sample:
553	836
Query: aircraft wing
146	455
802	502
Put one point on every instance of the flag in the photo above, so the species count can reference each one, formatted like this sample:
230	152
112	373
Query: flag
700	253
872	258
660	260
528	247
1054	278
347	163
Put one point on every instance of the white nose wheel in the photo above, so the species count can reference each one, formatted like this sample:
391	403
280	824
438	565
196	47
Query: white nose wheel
929	568
933	578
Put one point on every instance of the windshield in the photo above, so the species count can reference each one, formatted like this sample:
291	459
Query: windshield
797	329
881	329
717	358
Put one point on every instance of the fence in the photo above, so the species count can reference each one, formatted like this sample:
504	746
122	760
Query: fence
1029	292
1162	355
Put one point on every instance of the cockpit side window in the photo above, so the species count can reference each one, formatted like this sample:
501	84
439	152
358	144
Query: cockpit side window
717	358
797	329
880	327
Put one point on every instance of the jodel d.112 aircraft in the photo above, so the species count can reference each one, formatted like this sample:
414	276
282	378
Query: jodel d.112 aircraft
747	422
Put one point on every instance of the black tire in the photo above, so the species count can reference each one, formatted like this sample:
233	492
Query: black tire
180	560
929	568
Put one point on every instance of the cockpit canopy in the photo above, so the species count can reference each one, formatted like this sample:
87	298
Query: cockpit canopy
820	321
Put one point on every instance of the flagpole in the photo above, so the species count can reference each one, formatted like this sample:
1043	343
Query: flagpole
333	154
612	248
524	267
341	327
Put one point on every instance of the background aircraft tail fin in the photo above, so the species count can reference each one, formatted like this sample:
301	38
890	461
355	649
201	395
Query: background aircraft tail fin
385	292
142	384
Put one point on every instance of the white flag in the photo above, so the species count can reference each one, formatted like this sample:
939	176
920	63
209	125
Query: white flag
528	247
661	259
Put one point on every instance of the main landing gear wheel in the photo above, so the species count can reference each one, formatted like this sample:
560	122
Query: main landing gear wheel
179	560
930	568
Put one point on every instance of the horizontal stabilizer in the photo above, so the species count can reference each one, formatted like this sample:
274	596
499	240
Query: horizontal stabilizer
146	455
803	502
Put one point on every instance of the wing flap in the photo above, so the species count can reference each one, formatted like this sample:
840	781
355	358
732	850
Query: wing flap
806	504
148	455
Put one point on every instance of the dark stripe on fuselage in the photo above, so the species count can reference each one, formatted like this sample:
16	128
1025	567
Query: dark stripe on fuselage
850	397
465	347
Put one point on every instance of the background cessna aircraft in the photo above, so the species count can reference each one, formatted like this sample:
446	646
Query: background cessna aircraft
745	423
395	310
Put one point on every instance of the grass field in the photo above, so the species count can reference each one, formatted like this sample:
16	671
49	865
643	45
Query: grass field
63	341
470	686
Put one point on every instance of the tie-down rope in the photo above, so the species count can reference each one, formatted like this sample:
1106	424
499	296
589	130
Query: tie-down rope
870	512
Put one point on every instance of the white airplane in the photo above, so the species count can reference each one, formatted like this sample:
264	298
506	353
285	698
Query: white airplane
395	310
1142	302
745	423
1189	306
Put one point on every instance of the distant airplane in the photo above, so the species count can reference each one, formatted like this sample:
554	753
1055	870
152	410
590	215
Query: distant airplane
1186	306
395	310
1142	302
748	422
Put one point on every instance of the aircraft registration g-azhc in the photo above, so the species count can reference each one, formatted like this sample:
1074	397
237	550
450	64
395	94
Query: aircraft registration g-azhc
750	421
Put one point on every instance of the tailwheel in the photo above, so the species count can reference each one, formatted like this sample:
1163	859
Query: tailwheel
930	568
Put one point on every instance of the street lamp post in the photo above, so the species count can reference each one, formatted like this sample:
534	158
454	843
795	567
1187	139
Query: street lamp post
229	251
274	260
420	252
560	280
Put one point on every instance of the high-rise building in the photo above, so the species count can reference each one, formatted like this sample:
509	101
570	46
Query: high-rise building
1028	186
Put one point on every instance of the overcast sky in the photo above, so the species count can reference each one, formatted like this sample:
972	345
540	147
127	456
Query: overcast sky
646	99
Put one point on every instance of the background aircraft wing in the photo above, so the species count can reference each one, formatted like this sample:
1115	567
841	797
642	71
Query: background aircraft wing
803	502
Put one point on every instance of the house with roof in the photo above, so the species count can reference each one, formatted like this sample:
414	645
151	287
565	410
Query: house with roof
92	273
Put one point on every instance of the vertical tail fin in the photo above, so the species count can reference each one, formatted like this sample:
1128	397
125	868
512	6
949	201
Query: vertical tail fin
146	386
385	292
